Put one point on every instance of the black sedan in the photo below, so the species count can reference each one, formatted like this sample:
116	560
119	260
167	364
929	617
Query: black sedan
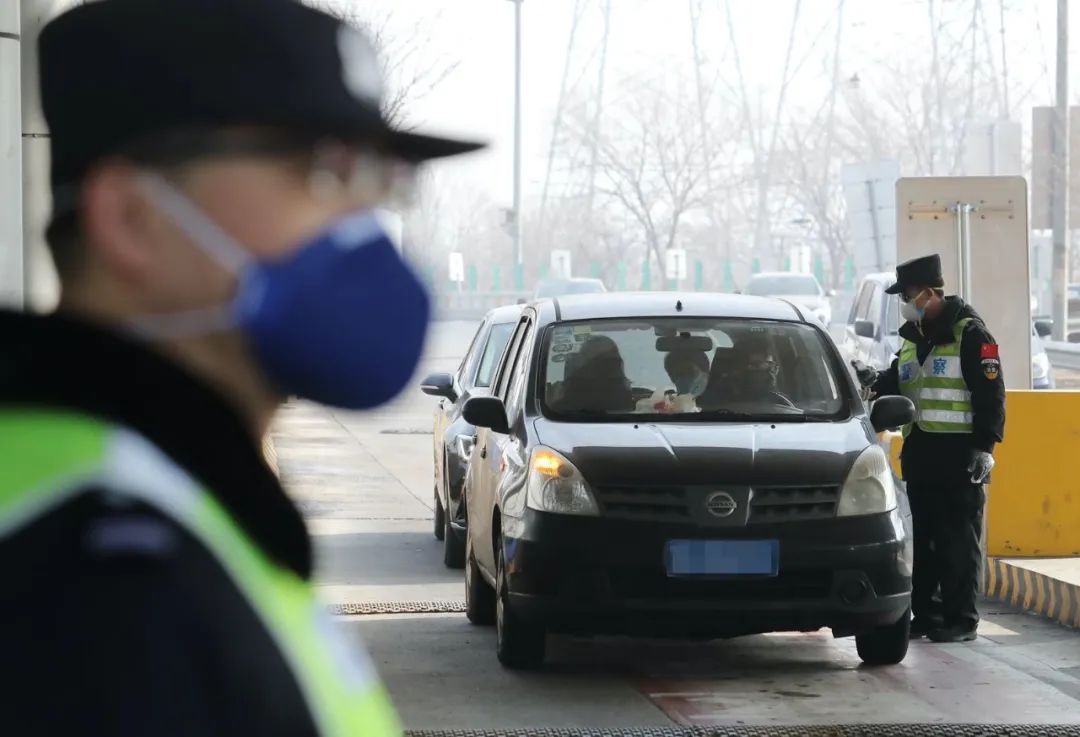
692	467
453	439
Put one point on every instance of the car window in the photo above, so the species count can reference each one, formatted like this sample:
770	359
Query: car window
858	308
493	350
502	377
693	368
873	308
470	355
784	284
518	376
892	314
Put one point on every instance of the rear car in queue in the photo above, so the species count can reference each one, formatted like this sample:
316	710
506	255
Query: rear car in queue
693	467
453	435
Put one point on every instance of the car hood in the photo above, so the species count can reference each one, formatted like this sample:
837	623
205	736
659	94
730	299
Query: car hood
699	453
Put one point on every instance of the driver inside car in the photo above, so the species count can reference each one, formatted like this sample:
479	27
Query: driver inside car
756	370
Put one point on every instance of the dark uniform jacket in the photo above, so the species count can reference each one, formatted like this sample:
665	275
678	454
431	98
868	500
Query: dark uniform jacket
139	639
939	457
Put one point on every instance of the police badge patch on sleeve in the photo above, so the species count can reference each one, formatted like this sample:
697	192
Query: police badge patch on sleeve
991	361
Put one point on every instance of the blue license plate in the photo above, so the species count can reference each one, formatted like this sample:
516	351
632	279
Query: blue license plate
722	557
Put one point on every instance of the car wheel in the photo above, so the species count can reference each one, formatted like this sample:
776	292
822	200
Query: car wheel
519	644
887	645
479	597
453	546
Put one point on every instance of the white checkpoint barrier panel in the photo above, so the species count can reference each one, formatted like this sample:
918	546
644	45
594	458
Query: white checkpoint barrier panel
930	219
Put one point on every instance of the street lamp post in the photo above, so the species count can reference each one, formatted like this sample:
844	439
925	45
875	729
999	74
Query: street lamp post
516	224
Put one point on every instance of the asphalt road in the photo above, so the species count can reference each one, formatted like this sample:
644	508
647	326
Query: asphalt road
364	483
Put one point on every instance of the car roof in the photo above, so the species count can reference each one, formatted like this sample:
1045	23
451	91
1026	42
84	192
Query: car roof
507	313
665	304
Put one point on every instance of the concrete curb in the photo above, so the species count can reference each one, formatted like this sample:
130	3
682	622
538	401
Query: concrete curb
1033	591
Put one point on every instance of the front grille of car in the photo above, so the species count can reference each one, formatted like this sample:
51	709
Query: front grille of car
671	503
792	504
654	503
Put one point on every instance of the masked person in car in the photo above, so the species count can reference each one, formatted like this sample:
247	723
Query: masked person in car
216	165
948	365
689	373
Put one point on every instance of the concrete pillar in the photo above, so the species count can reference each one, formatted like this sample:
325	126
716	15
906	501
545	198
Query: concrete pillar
11	246
40	286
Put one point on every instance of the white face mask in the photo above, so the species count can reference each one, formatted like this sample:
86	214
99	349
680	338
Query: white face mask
910	312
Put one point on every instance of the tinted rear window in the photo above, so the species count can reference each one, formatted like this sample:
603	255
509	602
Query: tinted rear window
493	351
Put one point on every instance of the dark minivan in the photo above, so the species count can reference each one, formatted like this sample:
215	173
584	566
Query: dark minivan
691	466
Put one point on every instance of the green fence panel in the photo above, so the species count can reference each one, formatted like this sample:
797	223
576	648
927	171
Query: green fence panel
646	275
496	278
472	277
519	277
620	276
595	270
755	265
819	269
849	273
729	276
699	276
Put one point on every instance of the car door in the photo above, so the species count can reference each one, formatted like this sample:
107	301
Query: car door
446	411
851	340
869	347
484	464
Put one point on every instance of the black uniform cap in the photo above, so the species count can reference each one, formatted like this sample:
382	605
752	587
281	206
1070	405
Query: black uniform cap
114	71
924	271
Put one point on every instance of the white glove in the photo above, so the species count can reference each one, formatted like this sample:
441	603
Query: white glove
866	375
981	466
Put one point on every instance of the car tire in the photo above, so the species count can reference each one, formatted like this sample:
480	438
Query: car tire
519	645
453	546
479	597
440	517
887	645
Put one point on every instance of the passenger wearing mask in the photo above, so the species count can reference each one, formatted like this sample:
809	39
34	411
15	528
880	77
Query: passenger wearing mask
689	373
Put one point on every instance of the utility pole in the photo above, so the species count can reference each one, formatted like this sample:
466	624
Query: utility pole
1060	171
599	111
11	237
516	223
559	107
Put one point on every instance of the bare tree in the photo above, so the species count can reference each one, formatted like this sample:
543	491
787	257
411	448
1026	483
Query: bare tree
404	54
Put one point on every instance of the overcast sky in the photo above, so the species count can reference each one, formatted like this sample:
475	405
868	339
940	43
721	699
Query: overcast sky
651	35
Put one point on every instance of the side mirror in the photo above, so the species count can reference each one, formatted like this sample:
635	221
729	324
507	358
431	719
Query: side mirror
1043	328
487	412
439	385
890	413
865	329
738	291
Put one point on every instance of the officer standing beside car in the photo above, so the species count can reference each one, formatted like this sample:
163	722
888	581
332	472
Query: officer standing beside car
950	368
215	169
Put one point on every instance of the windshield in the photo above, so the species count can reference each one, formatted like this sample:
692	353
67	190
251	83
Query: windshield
680	369
784	284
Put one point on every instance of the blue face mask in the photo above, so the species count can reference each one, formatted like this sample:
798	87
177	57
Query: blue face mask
317	319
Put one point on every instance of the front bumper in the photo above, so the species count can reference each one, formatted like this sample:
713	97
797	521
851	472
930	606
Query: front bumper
596	575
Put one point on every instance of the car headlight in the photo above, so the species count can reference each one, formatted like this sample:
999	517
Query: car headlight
555	485
1040	366
465	445
868	488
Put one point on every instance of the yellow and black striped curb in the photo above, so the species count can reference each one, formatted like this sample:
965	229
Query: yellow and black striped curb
1034	592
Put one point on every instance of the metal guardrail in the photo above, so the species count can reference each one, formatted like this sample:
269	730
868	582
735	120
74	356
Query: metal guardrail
1063	355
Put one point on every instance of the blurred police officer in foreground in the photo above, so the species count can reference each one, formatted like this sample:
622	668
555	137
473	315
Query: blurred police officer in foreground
948	365
215	163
